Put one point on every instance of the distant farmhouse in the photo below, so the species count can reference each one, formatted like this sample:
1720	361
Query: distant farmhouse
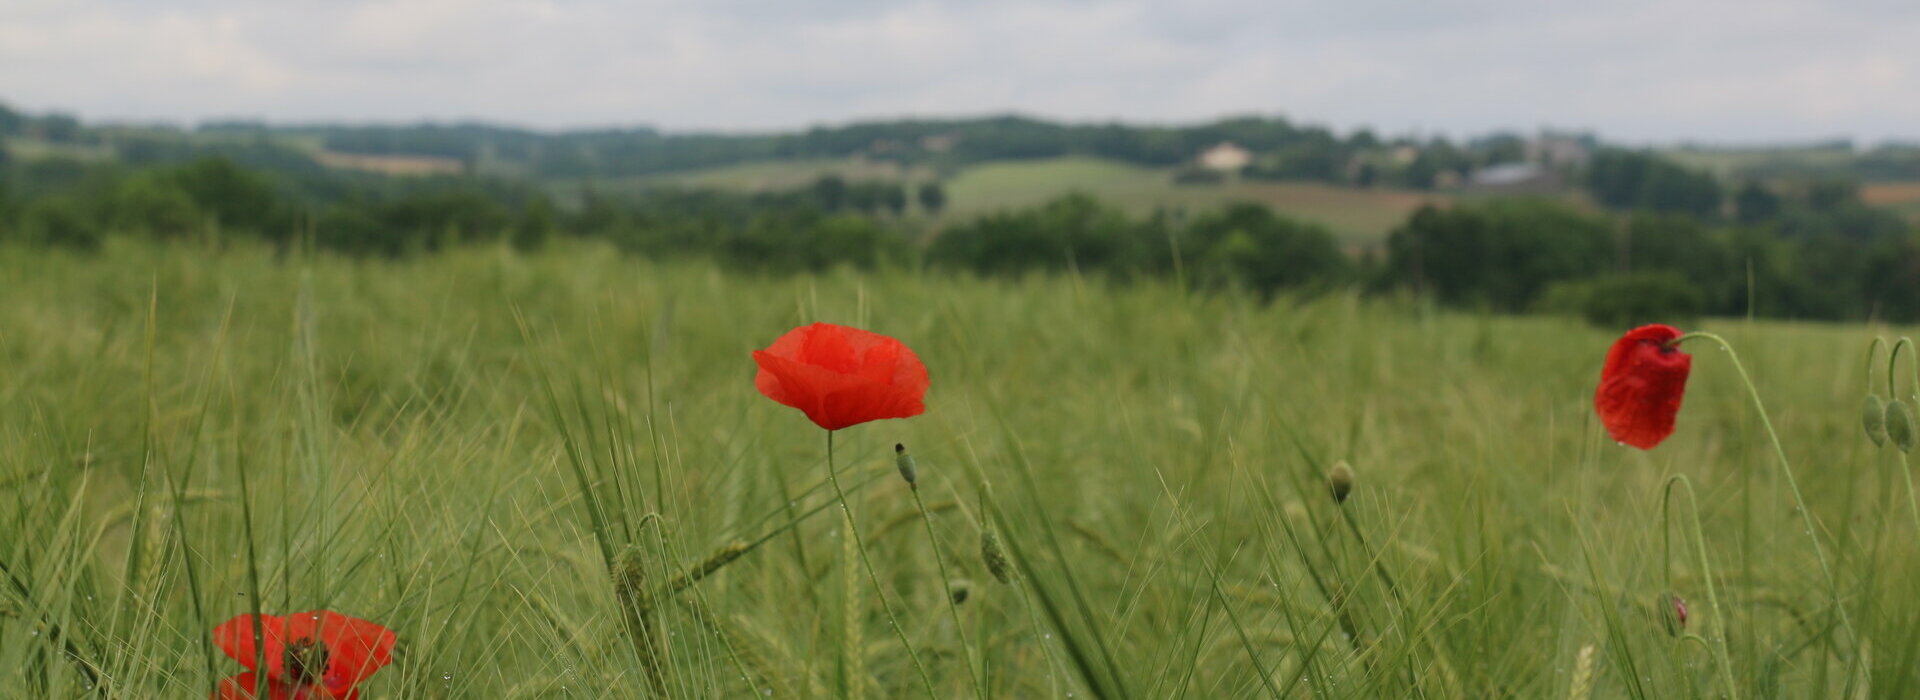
1515	178
1547	159
1226	157
1556	149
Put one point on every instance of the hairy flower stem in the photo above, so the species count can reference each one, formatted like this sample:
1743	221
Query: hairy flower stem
833	476
1893	359
959	626
1913	501
1718	649
1786	469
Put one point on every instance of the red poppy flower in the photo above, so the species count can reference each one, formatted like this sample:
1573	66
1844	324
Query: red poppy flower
311	655
841	376
1641	385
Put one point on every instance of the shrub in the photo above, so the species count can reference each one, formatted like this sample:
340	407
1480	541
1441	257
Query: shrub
1247	245
1625	301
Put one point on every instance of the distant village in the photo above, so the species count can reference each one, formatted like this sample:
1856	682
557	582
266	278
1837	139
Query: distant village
1546	164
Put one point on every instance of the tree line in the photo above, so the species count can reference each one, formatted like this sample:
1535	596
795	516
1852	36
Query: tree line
1812	250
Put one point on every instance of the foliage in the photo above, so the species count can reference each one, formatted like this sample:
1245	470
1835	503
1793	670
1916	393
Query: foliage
1500	255
1074	233
1801	250
1625	301
1626	179
1250	247
933	198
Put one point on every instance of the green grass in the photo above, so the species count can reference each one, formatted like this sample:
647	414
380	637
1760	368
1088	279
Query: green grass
461	448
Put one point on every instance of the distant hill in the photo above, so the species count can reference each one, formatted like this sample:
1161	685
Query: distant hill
1358	182
1277	148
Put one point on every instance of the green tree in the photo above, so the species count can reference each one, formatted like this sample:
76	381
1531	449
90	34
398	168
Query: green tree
62	221
830	192
154	205
1625	301
1755	203
1625	179
236	198
933	197
1075	232
535	225
1499	255
1248	246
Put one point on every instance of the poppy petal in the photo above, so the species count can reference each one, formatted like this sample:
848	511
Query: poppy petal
356	648
235	637
868	402
1641	385
828	347
840	376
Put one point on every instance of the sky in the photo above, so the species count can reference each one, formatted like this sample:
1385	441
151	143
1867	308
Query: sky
1645	71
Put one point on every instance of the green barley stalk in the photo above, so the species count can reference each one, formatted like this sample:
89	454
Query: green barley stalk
947	581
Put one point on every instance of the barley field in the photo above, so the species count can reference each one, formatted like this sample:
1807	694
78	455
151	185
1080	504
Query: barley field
552	477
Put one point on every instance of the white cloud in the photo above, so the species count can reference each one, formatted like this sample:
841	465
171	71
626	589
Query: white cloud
1634	69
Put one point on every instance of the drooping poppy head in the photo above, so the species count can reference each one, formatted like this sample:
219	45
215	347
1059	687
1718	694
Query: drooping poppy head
841	376
318	654
1641	386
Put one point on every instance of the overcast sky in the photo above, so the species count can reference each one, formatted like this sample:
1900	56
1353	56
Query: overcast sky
1635	70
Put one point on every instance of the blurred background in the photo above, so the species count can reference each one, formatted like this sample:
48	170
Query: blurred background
1614	160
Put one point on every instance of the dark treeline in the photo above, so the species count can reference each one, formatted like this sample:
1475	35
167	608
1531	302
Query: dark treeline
830	222
1808	252
1669	241
1283	149
1532	255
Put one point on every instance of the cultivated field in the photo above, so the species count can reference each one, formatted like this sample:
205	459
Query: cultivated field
461	448
1901	197
1356	215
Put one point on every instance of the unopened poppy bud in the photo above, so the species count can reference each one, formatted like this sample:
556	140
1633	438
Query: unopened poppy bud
961	588
1873	417
1900	428
1673	613
1340	480
905	462
995	559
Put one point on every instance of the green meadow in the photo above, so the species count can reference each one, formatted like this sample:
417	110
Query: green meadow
1357	215
552	476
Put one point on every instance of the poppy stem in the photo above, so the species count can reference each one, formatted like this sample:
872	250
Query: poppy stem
1893	394
966	648
833	476
1786	469
1722	657
1893	364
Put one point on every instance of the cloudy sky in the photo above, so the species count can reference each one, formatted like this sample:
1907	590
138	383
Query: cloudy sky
1635	70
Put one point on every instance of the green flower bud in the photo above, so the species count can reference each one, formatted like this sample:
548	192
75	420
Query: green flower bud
1340	480
1900	427
1873	417
996	560
905	462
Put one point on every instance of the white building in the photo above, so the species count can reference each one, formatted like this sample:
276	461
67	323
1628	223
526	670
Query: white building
1225	156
